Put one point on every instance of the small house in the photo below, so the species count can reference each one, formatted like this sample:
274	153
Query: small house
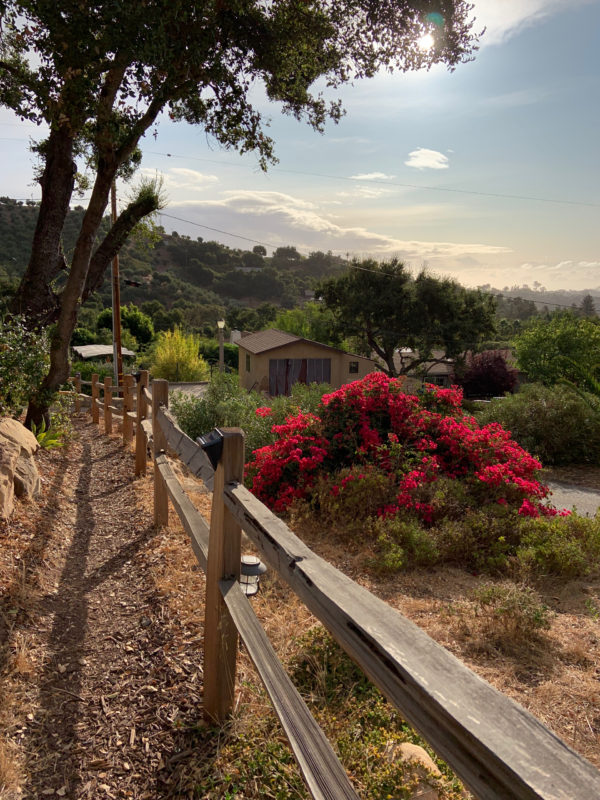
273	361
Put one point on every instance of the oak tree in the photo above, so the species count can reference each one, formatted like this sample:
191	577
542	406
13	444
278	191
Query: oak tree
388	310
100	73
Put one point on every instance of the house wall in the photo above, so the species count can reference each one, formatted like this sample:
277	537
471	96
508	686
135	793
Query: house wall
257	377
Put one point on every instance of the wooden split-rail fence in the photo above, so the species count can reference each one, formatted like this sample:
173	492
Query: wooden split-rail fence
498	749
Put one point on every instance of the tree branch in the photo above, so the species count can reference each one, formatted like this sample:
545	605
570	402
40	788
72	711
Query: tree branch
115	239
24	77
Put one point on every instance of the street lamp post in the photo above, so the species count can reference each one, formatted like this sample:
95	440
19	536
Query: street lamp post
220	326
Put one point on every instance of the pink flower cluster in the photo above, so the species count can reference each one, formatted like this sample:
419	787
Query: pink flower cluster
413	439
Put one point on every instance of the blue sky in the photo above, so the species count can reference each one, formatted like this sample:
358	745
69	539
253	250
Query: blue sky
428	167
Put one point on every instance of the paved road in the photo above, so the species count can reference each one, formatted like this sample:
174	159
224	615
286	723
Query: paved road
195	389
565	495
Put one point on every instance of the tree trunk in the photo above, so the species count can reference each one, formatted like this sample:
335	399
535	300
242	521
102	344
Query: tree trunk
34	297
70	298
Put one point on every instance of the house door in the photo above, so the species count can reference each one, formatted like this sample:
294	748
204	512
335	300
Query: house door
285	372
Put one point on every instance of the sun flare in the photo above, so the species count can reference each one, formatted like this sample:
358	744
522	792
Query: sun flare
426	42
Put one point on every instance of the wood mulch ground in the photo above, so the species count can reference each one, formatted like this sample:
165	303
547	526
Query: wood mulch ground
100	680
101	638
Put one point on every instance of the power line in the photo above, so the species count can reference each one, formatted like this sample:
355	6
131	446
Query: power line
446	189
217	230
352	265
475	192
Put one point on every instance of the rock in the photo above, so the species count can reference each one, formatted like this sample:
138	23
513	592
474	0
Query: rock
425	767
9	453
13	430
26	478
18	472
406	751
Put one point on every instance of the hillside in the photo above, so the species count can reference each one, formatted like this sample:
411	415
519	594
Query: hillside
178	271
195	282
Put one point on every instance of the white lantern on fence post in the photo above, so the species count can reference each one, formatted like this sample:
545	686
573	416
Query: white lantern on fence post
251	568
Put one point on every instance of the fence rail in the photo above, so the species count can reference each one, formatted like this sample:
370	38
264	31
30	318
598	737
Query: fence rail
497	748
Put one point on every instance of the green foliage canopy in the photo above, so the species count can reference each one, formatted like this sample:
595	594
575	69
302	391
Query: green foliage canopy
559	348
383	306
23	363
311	321
100	74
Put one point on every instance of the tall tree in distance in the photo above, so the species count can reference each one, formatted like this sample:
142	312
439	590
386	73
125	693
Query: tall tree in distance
387	309
99	74
588	309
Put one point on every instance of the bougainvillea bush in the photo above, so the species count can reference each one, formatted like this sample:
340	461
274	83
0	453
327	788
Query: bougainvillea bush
412	471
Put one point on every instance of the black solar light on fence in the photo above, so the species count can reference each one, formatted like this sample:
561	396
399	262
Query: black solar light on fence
212	444
251	569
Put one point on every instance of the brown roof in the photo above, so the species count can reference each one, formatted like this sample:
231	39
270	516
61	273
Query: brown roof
267	340
262	341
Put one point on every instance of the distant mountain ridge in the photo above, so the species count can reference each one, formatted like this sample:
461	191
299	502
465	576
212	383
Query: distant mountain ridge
180	271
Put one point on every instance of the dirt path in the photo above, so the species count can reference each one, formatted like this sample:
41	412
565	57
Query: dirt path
87	649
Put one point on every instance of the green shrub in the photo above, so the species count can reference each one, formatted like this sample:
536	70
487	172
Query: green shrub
554	424
209	350
565	546
48	438
550	350
176	357
226	404
24	361
351	496
87	368
401	543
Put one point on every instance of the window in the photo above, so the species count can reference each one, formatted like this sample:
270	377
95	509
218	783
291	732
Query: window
437	380
353	367
247	363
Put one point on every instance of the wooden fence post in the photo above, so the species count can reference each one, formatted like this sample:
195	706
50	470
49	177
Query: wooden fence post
78	391
108	396
160	396
140	436
95	396
128	384
224	551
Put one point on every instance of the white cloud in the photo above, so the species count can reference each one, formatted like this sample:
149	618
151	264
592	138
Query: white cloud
422	158
181	178
506	18
372	176
282	219
365	192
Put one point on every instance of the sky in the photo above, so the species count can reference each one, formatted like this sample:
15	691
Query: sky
488	174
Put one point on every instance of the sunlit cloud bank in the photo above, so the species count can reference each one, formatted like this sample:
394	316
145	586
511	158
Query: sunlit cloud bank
276	219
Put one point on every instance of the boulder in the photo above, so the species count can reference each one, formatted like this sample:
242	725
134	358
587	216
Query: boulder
425	767
9	453
12	430
18	472
26	477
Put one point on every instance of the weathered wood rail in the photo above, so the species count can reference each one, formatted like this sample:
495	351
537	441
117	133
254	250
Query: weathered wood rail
497	748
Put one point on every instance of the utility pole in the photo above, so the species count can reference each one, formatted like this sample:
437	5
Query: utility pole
116	300
220	326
